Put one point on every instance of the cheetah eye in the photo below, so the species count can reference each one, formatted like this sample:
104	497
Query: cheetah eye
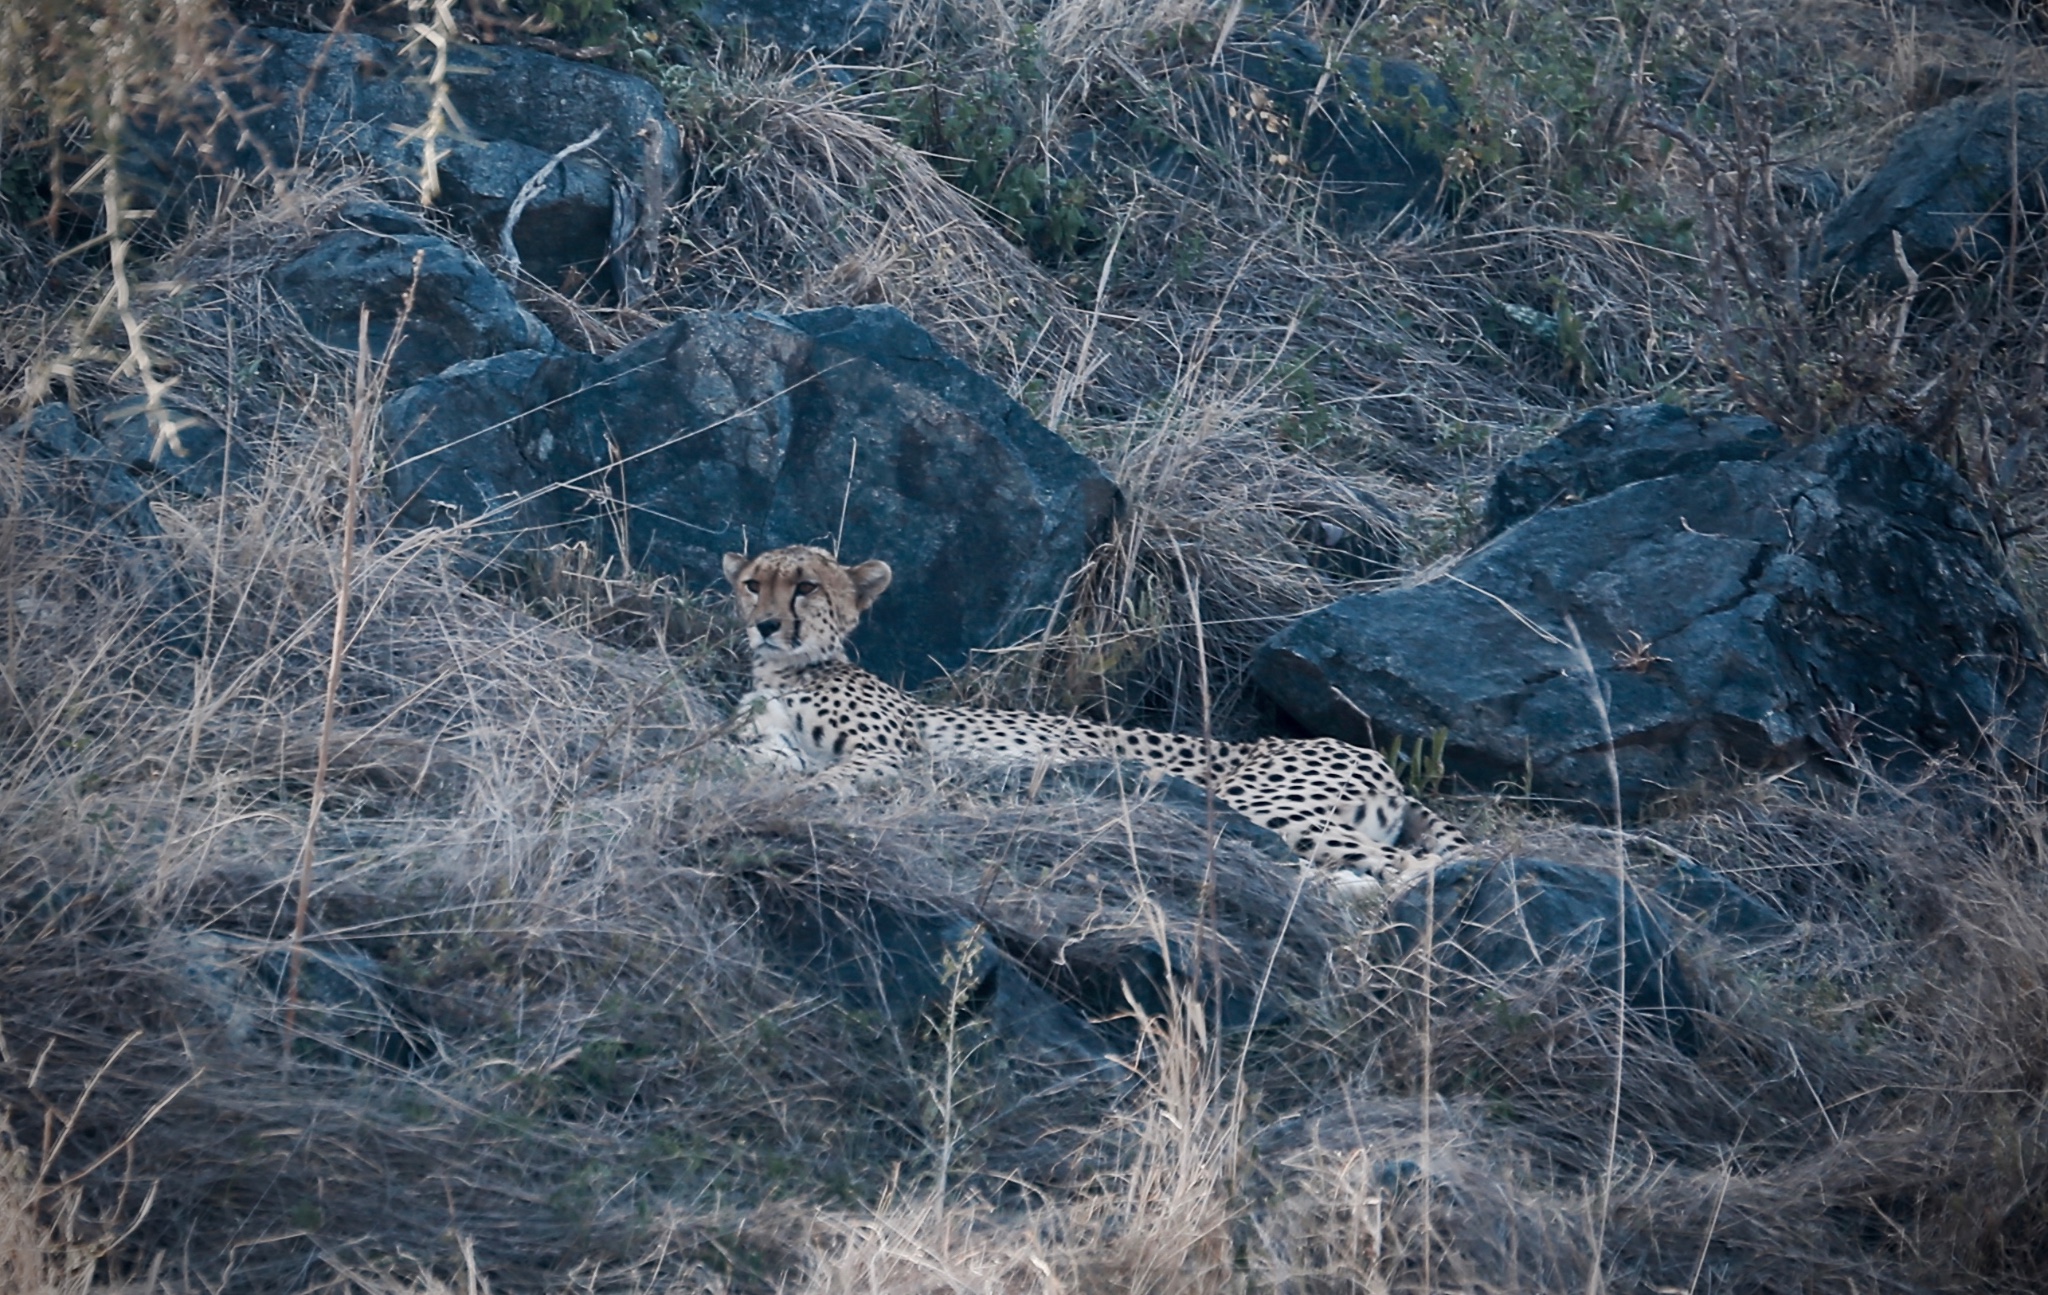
805	588
753	586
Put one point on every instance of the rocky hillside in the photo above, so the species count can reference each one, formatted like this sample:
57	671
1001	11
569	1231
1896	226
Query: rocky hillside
1625	418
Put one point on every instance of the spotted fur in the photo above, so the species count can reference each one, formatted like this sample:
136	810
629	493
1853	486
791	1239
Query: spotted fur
813	712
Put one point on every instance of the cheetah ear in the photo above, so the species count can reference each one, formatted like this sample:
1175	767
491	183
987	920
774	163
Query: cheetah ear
869	580
734	564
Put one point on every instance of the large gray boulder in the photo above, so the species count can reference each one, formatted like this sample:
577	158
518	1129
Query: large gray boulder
923	965
460	310
1734	610
1946	189
847	428
311	98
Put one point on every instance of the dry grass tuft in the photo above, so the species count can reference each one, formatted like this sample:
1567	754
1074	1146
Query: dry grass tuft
799	200
1228	534
544	1038
39	1258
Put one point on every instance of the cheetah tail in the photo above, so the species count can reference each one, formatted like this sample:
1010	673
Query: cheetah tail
1426	832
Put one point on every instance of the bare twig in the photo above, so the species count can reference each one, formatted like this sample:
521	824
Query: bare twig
370	377
531	190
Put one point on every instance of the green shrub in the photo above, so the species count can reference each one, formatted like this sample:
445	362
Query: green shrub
982	134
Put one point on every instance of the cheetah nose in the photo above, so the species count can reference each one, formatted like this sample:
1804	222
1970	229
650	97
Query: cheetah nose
766	628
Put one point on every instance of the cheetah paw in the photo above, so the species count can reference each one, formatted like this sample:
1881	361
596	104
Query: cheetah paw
1354	887
840	787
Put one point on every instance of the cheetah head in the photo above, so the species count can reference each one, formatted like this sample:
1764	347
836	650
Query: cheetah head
799	604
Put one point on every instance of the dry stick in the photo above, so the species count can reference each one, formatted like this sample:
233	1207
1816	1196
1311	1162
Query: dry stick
441	114
845	498
163	426
1598	697
1891	358
359	423
621	509
1207	900
531	190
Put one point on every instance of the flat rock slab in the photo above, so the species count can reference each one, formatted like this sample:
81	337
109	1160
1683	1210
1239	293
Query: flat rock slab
847	428
1610	448
1712	607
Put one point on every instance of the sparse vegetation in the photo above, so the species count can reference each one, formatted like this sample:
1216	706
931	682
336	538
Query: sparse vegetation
535	1040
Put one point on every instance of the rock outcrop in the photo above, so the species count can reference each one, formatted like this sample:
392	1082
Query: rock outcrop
375	260
312	99
1493	921
200	460
1705	595
846	428
1363	136
1946	190
1369	132
922	966
78	495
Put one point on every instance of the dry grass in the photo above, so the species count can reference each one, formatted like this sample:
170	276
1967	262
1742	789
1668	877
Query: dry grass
39	1251
1227	536
543	1040
799	200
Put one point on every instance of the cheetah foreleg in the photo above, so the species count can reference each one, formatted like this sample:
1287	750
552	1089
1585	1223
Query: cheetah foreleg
767	735
1339	849
863	768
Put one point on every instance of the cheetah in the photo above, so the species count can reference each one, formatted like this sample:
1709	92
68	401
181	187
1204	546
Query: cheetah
812	712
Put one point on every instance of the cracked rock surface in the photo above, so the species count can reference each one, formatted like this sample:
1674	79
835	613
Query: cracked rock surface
1739	601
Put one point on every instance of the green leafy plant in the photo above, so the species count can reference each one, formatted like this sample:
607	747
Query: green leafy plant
980	134
1420	766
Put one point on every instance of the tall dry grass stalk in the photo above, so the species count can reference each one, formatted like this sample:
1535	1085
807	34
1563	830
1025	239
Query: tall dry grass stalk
434	28
371	376
547	1040
79	79
33	1258
1159	1223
